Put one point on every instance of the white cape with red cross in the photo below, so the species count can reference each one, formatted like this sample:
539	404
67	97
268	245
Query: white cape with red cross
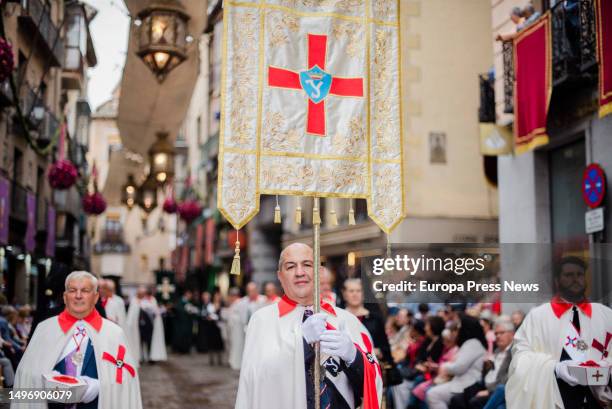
310	105
272	374
46	346
537	347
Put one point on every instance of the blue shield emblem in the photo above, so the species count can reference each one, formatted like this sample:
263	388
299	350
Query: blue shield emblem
316	83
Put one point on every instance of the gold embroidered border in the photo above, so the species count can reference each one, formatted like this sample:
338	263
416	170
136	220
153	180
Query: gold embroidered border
305	155
313	13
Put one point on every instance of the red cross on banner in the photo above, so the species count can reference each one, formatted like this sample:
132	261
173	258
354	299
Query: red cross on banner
317	83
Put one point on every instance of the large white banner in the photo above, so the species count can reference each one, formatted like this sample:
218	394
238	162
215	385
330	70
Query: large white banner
311	105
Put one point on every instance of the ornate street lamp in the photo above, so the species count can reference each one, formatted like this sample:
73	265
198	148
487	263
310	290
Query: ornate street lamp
147	194
162	36
161	158
128	193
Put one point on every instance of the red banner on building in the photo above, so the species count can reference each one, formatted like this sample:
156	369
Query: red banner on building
532	85
603	11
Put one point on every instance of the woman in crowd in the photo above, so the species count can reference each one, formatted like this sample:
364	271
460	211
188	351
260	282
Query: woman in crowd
466	369
449	341
352	293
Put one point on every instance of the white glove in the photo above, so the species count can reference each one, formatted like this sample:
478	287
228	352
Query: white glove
338	343
562	371
313	327
93	389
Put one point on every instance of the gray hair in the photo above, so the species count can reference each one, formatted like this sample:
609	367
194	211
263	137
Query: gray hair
505	322
516	11
76	275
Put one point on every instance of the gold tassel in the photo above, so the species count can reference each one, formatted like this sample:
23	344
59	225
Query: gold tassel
333	217
316	216
298	215
351	214
277	213
236	262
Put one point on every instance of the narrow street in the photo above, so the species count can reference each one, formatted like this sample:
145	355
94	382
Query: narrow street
188	382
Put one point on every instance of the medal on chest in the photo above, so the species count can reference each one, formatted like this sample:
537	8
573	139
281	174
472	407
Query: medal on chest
77	356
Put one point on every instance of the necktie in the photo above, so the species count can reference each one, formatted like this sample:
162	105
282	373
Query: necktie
307	313
576	319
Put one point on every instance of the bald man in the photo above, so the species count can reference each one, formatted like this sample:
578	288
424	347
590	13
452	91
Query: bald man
278	361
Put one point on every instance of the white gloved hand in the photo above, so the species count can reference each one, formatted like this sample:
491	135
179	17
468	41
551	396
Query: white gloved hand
93	389
313	327
338	343
562	372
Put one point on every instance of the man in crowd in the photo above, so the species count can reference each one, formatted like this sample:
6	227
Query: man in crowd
496	372
146	327
565	332
252	301
80	343
112	303
184	314
271	293
277	367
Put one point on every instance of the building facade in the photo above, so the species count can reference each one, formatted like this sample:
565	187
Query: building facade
52	51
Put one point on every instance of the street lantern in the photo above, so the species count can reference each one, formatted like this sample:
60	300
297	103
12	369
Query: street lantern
161	158
147	194
162	36
128	193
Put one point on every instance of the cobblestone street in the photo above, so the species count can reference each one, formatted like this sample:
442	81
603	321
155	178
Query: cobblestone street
188	382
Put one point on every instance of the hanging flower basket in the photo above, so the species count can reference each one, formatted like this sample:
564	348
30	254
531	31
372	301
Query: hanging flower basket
189	210
62	174
7	63
170	205
94	203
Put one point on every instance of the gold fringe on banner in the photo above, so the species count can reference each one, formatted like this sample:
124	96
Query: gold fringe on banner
351	216
277	213
236	262
316	216
333	217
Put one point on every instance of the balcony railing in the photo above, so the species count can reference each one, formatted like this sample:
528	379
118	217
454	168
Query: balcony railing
40	120
508	58
573	41
486	111
36	15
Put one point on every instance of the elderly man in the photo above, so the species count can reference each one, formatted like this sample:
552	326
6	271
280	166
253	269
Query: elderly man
112	303
79	343
277	367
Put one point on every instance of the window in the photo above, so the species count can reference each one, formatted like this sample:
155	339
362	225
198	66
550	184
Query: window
566	165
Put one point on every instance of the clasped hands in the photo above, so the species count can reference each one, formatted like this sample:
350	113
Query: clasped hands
333	342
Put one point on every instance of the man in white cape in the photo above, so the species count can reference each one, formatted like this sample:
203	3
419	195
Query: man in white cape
80	343
235	328
113	304
567	331
278	359
147	304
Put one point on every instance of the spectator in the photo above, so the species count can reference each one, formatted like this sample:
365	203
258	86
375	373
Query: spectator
516	15
466	369
531	16
517	318
24	321
495	371
423	312
449	340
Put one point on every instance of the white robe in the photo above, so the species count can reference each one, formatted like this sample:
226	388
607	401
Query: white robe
115	310
272	374
158	343
46	347
537	347
235	334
